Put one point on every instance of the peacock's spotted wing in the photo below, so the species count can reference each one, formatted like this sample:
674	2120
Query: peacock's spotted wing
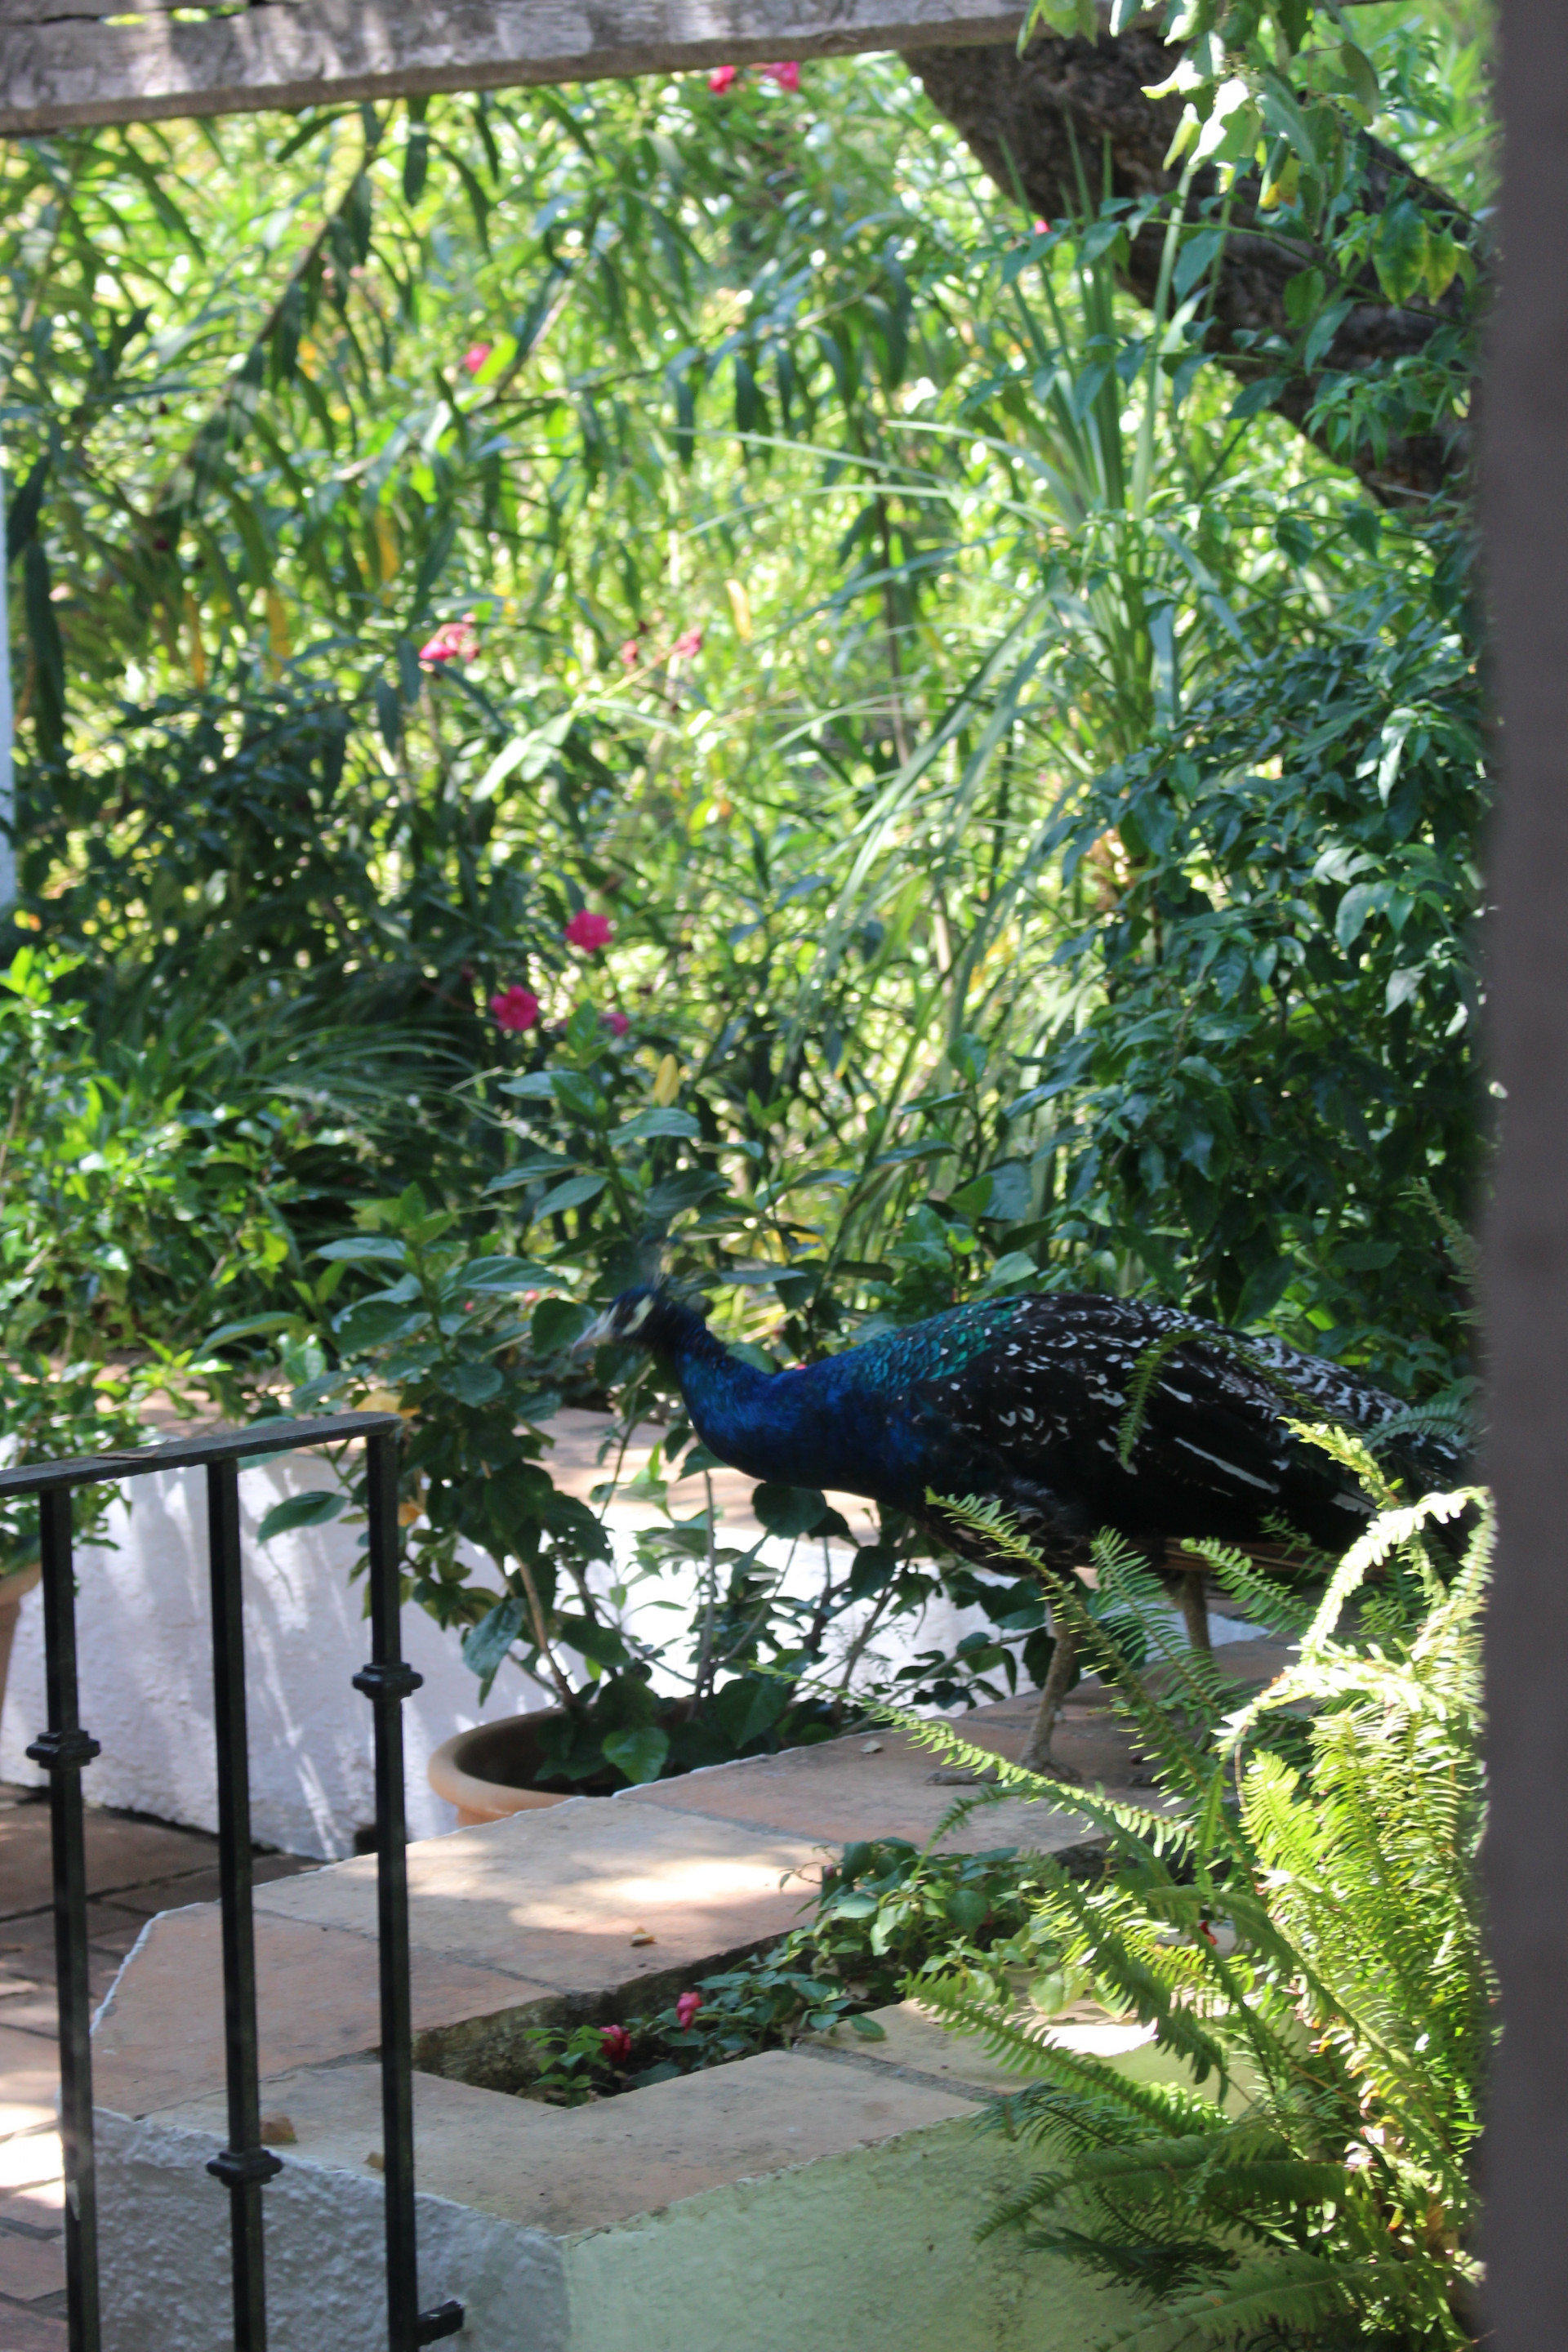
1035	1392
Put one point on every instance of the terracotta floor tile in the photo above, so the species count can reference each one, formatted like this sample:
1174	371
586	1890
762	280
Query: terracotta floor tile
22	2330
29	2077
558	1895
160	2039
30	2267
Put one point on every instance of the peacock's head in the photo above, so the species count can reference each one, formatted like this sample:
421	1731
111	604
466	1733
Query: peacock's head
646	1316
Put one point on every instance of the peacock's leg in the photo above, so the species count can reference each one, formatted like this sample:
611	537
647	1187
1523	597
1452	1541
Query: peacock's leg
1037	1756
1195	1609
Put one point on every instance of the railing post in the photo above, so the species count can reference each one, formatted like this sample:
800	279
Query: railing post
244	2165
386	1682
63	1750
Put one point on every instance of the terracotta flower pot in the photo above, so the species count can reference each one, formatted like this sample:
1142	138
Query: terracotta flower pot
488	1772
13	1591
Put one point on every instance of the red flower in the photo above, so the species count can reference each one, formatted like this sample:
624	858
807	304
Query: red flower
476	356
688	642
617	2044
723	77
616	1023
589	932
515	1008
631	654
453	641
786	74
686	2009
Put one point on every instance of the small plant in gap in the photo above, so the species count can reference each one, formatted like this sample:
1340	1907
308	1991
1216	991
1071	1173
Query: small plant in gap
1301	1928
887	1915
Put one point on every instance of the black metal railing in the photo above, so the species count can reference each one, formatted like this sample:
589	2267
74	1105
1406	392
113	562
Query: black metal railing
244	2165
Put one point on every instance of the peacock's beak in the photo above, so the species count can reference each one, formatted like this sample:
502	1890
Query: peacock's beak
597	1332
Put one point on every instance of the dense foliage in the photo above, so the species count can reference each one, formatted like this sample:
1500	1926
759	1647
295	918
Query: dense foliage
649	663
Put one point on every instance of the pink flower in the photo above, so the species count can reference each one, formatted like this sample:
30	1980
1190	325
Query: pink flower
721	78
453	641
616	1023
515	1008
688	642
476	356
1042	228
617	2044
786	74
686	2009
631	654
589	932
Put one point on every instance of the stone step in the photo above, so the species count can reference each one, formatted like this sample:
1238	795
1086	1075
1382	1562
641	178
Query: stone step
823	2195
810	2196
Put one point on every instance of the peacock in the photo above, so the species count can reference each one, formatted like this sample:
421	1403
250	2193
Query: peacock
1024	1401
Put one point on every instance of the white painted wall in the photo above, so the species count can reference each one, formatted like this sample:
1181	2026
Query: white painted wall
145	1638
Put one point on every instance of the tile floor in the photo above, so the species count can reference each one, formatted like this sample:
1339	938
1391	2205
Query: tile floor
134	1867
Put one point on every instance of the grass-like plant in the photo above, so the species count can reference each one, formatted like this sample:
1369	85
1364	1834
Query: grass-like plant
1299	1919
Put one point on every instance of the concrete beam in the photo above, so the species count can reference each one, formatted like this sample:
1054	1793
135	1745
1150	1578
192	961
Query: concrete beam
67	68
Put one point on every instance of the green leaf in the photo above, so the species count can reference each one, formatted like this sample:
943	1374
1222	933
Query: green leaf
656	1122
377	1323
789	1511
867	2027
364	1249
1399	254
495	1278
487	1645
639	1753
534	1086
473	1384
557	1323
255	1326
576	1193
311	1510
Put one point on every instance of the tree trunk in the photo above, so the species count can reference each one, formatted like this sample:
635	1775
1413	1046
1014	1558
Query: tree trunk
1067	106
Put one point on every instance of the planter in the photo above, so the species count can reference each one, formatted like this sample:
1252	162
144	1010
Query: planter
490	1772
13	1591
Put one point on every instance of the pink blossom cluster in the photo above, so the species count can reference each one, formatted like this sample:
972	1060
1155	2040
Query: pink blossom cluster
476	356
688	642
786	72
453	641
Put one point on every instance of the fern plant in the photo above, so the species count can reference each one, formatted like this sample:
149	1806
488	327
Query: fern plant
1299	1920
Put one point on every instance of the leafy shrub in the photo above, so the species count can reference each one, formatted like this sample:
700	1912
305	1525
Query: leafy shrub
1310	1951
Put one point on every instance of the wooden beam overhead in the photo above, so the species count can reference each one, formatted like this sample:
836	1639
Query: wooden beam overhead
62	67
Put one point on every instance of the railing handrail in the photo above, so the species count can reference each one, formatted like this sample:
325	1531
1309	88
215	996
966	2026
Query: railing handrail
191	1453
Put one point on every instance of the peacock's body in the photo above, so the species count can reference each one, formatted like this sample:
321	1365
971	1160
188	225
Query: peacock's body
1023	1401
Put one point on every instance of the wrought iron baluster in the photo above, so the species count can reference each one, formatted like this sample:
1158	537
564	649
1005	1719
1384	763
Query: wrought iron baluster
386	1682
63	1750
244	2165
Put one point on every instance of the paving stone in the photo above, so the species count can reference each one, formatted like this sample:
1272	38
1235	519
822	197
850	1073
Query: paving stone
29	2158
160	2037
22	2330
31	2007
29	2077
870	1785
120	1853
557	1895
36	2208
29	2266
567	2170
204	1885
917	2045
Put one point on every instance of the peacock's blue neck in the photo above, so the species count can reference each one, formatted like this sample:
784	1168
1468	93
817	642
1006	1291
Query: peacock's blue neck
824	1425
